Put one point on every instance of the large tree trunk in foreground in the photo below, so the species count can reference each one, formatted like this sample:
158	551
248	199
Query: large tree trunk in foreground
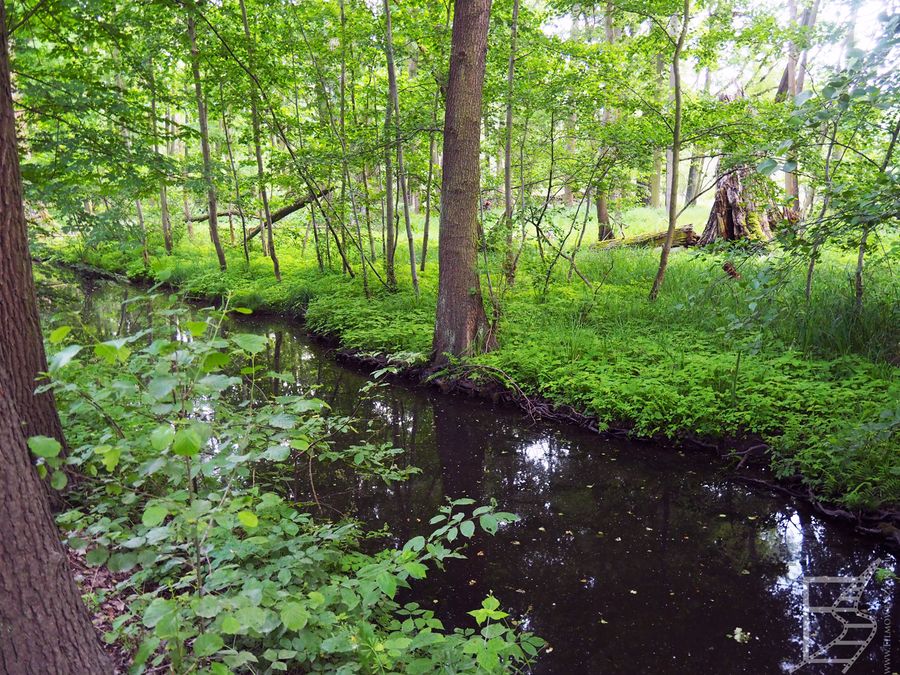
735	215
44	627
204	144
461	323
21	344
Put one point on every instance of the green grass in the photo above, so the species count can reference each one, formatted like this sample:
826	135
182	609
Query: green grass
712	357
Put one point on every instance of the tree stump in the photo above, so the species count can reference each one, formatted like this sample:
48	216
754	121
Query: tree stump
735	214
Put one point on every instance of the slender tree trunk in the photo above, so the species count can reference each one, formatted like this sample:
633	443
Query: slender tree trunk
204	144
44	627
166	221
425	232
791	185
389	232
236	179
257	148
461	322
401	174
186	206
674	153
509	263
142	227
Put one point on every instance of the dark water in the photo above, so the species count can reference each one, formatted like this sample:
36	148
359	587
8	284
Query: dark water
628	558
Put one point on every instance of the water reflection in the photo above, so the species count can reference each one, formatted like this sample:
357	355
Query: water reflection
627	558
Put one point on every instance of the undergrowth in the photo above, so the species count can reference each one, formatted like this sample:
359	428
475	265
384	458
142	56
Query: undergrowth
713	357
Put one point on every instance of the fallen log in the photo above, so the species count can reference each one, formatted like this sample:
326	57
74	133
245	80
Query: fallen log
219	214
285	211
281	213
683	236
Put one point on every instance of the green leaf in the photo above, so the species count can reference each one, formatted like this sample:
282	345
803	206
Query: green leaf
58	480
467	528
122	562
159	609
250	342
208	644
187	442
230	625
294	616
154	515
162	386
789	166
196	327
97	556
248	519
243	310
415	544
767	166
161	437
61	358
44	446
387	582
59	334
214	361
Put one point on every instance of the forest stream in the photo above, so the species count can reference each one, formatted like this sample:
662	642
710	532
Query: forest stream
628	557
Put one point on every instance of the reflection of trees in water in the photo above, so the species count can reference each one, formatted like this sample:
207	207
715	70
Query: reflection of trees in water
599	519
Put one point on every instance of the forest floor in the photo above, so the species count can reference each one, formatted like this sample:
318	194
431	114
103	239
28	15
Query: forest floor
732	363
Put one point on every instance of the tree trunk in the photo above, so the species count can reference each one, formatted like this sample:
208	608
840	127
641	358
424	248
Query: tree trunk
461	322
604	231
257	148
673	154
389	232
401	173
21	345
166	221
204	143
509	263
734	214
44	627
237	182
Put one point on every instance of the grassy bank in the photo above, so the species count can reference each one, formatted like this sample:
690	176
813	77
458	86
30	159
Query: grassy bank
713	358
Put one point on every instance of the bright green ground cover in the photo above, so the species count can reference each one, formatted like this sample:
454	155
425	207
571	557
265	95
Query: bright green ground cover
713	357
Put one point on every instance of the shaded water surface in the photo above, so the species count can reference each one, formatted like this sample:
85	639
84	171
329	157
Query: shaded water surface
628	558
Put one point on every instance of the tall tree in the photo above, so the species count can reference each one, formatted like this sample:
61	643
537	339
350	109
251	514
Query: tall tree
39	597
674	151
461	324
204	142
507	149
401	169
21	345
257	149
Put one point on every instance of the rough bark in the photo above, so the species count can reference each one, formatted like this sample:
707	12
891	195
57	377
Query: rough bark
44	627
735	214
204	143
461	323
21	345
